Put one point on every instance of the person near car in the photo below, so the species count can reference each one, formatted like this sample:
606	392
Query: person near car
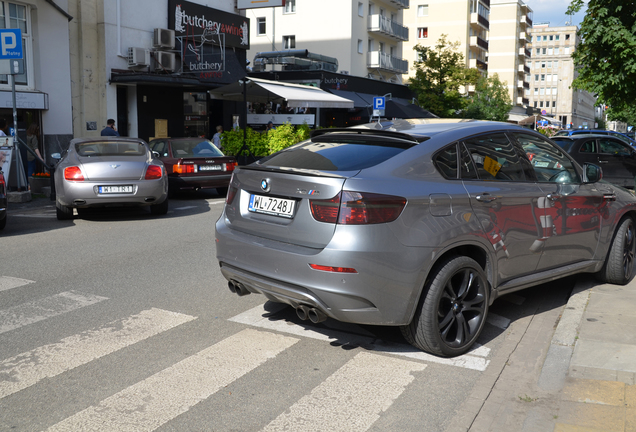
217	139
110	129
32	142
270	126
4	127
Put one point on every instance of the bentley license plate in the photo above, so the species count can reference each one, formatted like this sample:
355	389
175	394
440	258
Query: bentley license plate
115	189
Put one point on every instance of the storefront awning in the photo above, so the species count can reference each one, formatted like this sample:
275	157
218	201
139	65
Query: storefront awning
358	102
296	96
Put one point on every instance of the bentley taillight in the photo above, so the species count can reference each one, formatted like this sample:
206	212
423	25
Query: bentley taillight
358	208
153	172
73	173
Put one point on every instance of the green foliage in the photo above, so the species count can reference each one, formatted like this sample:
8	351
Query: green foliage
625	114
265	143
547	131
439	77
606	57
491	100
601	122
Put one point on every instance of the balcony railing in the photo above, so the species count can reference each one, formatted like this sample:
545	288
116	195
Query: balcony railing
522	101
477	41
523	69
388	27
524	52
380	60
526	85
524	37
486	2
476	19
526	20
479	64
400	4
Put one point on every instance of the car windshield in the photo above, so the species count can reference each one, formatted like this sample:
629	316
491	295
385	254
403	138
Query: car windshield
336	155
89	149
562	133
196	147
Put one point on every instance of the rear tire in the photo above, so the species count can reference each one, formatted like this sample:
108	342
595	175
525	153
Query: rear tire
160	209
63	212
453	308
619	264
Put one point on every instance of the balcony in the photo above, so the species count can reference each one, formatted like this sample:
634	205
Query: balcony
385	26
383	61
523	84
522	101
526	20
523	36
479	64
400	4
476	41
486	2
523	52
477	20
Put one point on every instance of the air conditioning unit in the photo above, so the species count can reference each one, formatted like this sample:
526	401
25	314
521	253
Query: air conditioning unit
163	38
138	57
164	61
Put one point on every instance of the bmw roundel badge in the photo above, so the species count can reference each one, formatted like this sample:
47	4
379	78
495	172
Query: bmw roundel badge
265	185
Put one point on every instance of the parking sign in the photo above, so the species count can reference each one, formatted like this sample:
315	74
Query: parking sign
379	103
10	44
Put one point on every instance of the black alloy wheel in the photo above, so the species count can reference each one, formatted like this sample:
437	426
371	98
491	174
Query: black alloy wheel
619	266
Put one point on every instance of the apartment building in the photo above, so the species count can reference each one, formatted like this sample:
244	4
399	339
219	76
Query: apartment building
492	36
364	37
551	74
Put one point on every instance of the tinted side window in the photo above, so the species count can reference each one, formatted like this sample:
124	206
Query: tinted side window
588	146
608	146
549	162
446	161
495	158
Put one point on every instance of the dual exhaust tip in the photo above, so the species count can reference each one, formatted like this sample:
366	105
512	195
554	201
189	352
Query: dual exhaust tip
304	312
312	314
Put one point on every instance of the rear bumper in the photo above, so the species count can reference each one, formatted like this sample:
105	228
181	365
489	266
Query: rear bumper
214	181
385	290
84	194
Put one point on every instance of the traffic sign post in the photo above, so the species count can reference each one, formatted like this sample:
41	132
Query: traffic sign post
11	55
379	105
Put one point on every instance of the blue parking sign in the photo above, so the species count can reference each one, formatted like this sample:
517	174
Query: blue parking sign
10	44
379	103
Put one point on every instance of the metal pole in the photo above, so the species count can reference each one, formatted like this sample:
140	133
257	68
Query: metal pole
18	159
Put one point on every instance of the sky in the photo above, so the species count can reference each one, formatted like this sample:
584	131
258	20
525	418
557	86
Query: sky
553	11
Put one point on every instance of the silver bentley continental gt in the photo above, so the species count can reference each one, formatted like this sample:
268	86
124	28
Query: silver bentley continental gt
109	171
420	224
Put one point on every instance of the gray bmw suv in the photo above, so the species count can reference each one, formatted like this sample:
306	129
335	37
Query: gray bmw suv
420	224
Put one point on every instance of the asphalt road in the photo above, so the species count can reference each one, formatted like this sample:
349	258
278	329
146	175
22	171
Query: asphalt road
121	321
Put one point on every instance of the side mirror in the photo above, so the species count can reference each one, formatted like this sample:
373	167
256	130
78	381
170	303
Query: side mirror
592	173
56	156
156	154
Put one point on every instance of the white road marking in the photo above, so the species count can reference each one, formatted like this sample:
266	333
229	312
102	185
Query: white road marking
7	282
351	399
38	310
497	320
158	399
216	201
185	208
258	317
47	361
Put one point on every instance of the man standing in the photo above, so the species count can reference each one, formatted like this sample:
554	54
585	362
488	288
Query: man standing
110	130
217	139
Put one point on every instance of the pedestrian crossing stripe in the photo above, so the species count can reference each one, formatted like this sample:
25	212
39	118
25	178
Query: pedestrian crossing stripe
351	399
150	403
47	307
476	359
7	283
28	368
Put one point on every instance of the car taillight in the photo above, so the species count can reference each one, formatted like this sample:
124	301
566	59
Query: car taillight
73	173
333	269
231	193
358	208
229	166
184	168
153	172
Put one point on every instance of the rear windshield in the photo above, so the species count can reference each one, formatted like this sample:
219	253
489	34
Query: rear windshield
110	149
563	143
328	155
195	147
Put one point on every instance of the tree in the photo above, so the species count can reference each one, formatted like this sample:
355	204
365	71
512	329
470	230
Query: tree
439	76
606	56
491	100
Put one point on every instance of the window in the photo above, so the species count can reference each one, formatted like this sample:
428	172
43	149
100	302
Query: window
536	104
567	51
543	51
360	49
588	147
554	90
360	9
556	51
536	77
553	104
542	77
556	63
567	37
17	18
495	158
536	91
556	37
446	162
550	51
551	37
289	42
548	90
609	146
537	64
538	51
543	64
261	26
422	32
371	8
542	91
541	104
422	10
550	164
290	6
370	45
549	64
381	47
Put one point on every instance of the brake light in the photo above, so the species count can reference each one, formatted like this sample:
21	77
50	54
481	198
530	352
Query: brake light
333	269
231	193
184	168
229	166
358	208
153	172
73	173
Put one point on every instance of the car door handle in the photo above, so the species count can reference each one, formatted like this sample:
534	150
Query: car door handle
602	161
554	197
609	197
485	198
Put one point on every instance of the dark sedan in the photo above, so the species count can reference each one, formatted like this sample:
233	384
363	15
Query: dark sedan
617	158
194	163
